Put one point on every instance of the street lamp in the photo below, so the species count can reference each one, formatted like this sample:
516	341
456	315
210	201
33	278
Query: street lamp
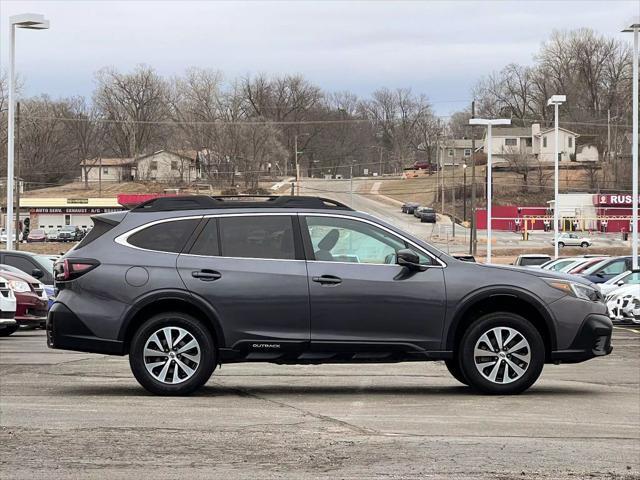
556	101
488	146
635	28
31	21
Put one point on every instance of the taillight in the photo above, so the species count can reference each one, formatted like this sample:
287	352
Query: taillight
72	268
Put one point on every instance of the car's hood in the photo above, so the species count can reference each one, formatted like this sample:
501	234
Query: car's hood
626	290
540	273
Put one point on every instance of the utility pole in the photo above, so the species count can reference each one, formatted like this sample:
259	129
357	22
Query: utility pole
609	135
453	194
17	157
100	176
473	238
351	185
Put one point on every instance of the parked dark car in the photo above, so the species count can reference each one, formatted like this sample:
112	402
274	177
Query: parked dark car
606	269
409	207
183	284
36	265
427	215
70	233
37	235
31	301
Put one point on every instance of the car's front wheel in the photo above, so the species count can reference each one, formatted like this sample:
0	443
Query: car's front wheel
501	353
561	244
172	354
584	244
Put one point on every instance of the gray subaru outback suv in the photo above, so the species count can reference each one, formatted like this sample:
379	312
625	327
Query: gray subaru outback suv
183	284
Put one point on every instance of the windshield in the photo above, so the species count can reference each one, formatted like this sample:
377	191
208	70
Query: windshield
530	261
594	268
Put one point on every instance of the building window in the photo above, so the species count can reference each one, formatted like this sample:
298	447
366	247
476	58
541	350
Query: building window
174	165
529	142
153	165
511	142
105	171
450	152
570	139
544	142
467	152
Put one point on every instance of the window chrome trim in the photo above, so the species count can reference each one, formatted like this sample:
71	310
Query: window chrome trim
122	238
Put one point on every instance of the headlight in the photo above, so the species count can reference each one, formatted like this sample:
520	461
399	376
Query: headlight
19	286
578	290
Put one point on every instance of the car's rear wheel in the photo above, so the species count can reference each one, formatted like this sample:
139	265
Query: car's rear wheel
501	353
454	369
584	244
172	354
5	332
560	244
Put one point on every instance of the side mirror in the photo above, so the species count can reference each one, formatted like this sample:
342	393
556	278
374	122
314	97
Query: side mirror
620	283
410	259
600	275
37	273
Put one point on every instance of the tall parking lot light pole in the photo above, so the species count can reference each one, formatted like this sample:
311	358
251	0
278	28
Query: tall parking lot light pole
556	101
31	21
488	147
635	28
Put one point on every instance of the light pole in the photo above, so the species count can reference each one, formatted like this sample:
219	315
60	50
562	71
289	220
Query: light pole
488	147
556	101
296	152
31	21
635	28
464	191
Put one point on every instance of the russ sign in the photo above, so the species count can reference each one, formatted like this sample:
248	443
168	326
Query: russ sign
614	200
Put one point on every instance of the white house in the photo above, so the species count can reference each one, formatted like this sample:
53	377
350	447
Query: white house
160	166
533	141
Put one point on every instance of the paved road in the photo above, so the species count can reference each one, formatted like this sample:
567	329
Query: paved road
71	415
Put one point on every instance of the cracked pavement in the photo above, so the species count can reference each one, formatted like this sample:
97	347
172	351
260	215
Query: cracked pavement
70	415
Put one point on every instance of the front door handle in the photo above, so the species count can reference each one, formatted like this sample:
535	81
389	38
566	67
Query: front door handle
327	280
206	275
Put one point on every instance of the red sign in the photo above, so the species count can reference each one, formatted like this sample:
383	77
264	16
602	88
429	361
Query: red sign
614	200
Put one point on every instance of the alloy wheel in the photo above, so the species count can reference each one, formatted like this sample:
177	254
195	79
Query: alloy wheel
171	355
502	355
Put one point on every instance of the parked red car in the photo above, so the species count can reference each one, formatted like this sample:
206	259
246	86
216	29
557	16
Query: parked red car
31	300
583	266
37	235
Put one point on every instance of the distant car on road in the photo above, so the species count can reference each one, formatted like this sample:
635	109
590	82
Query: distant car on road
606	269
531	260
426	215
37	235
630	277
409	207
572	240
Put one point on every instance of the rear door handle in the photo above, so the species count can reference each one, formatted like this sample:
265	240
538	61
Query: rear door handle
206	275
327	280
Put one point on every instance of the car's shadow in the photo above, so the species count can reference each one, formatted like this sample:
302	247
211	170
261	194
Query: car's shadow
215	390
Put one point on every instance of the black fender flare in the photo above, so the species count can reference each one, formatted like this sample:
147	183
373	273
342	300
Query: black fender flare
485	293
172	294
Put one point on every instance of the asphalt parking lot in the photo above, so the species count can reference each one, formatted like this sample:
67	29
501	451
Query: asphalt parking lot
73	415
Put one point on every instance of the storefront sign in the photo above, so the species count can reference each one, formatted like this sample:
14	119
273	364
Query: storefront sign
614	200
74	210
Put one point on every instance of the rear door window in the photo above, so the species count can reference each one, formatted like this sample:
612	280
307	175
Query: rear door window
268	236
165	236
207	242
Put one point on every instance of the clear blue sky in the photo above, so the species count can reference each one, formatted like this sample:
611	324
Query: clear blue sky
437	48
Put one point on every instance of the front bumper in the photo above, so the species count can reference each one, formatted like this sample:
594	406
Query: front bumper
592	340
66	331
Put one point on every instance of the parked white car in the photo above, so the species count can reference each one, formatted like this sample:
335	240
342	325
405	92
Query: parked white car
630	277
3	236
623	304
52	235
572	240
8	323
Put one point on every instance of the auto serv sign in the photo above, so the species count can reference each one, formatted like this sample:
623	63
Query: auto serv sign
614	200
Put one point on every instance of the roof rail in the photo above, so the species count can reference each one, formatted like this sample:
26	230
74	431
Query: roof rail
199	202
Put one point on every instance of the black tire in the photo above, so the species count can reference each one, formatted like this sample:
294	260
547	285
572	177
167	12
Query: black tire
454	370
422	220
197	330
5	332
560	244
584	244
471	372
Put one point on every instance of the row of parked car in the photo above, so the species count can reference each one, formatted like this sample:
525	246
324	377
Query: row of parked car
619	284
68	233
425	214
26	290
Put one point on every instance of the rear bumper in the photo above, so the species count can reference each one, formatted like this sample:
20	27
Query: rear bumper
592	340
66	331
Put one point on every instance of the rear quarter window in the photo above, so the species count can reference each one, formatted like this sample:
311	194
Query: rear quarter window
168	236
